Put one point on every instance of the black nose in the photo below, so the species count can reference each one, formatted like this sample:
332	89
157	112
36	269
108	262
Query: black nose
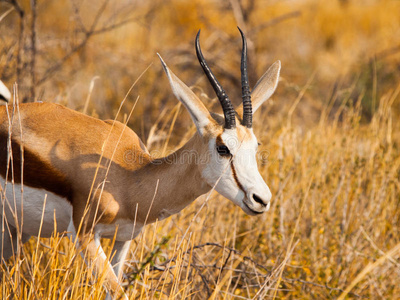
258	199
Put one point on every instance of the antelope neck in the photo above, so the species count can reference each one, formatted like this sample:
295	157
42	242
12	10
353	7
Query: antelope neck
169	184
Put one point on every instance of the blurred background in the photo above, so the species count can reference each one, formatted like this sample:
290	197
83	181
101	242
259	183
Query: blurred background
331	129
55	49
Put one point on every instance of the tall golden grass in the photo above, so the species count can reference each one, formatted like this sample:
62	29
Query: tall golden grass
330	147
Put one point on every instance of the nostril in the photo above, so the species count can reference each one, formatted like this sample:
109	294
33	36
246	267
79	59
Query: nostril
258	199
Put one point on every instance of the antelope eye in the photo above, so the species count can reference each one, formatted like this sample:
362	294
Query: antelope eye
223	150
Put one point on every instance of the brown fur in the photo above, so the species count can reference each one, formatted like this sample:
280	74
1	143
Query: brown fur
62	151
63	159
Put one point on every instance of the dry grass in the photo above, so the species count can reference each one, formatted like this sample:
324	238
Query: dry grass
330	149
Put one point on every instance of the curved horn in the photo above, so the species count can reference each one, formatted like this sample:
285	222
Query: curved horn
246	96
226	104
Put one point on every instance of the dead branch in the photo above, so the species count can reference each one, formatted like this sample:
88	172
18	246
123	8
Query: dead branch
88	34
21	14
243	277
277	20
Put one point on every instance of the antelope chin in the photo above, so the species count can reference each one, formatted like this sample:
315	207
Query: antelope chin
251	211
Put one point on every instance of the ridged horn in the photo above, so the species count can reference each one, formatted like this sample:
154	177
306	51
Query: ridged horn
246	96
223	98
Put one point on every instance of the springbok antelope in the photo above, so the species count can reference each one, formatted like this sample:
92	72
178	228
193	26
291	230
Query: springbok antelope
5	94
96	179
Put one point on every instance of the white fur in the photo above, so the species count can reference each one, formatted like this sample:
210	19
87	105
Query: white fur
27	208
4	92
30	204
30	209
219	171
245	164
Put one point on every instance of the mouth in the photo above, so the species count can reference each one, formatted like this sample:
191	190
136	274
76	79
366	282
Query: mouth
252	211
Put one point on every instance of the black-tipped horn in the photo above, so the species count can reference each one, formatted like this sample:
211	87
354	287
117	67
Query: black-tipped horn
246	96
226	104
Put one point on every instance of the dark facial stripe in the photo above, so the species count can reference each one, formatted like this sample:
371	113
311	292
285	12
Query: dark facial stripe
219	141
236	178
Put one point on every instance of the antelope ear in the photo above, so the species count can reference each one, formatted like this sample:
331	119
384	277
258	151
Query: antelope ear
199	113
264	87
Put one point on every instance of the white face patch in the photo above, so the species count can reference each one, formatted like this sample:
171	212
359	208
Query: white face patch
235	174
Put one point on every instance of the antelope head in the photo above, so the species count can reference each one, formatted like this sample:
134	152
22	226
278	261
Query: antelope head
231	164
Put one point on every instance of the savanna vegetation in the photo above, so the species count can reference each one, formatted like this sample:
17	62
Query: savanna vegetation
330	139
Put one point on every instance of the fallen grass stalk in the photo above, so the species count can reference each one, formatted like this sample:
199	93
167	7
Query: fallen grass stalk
370	267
